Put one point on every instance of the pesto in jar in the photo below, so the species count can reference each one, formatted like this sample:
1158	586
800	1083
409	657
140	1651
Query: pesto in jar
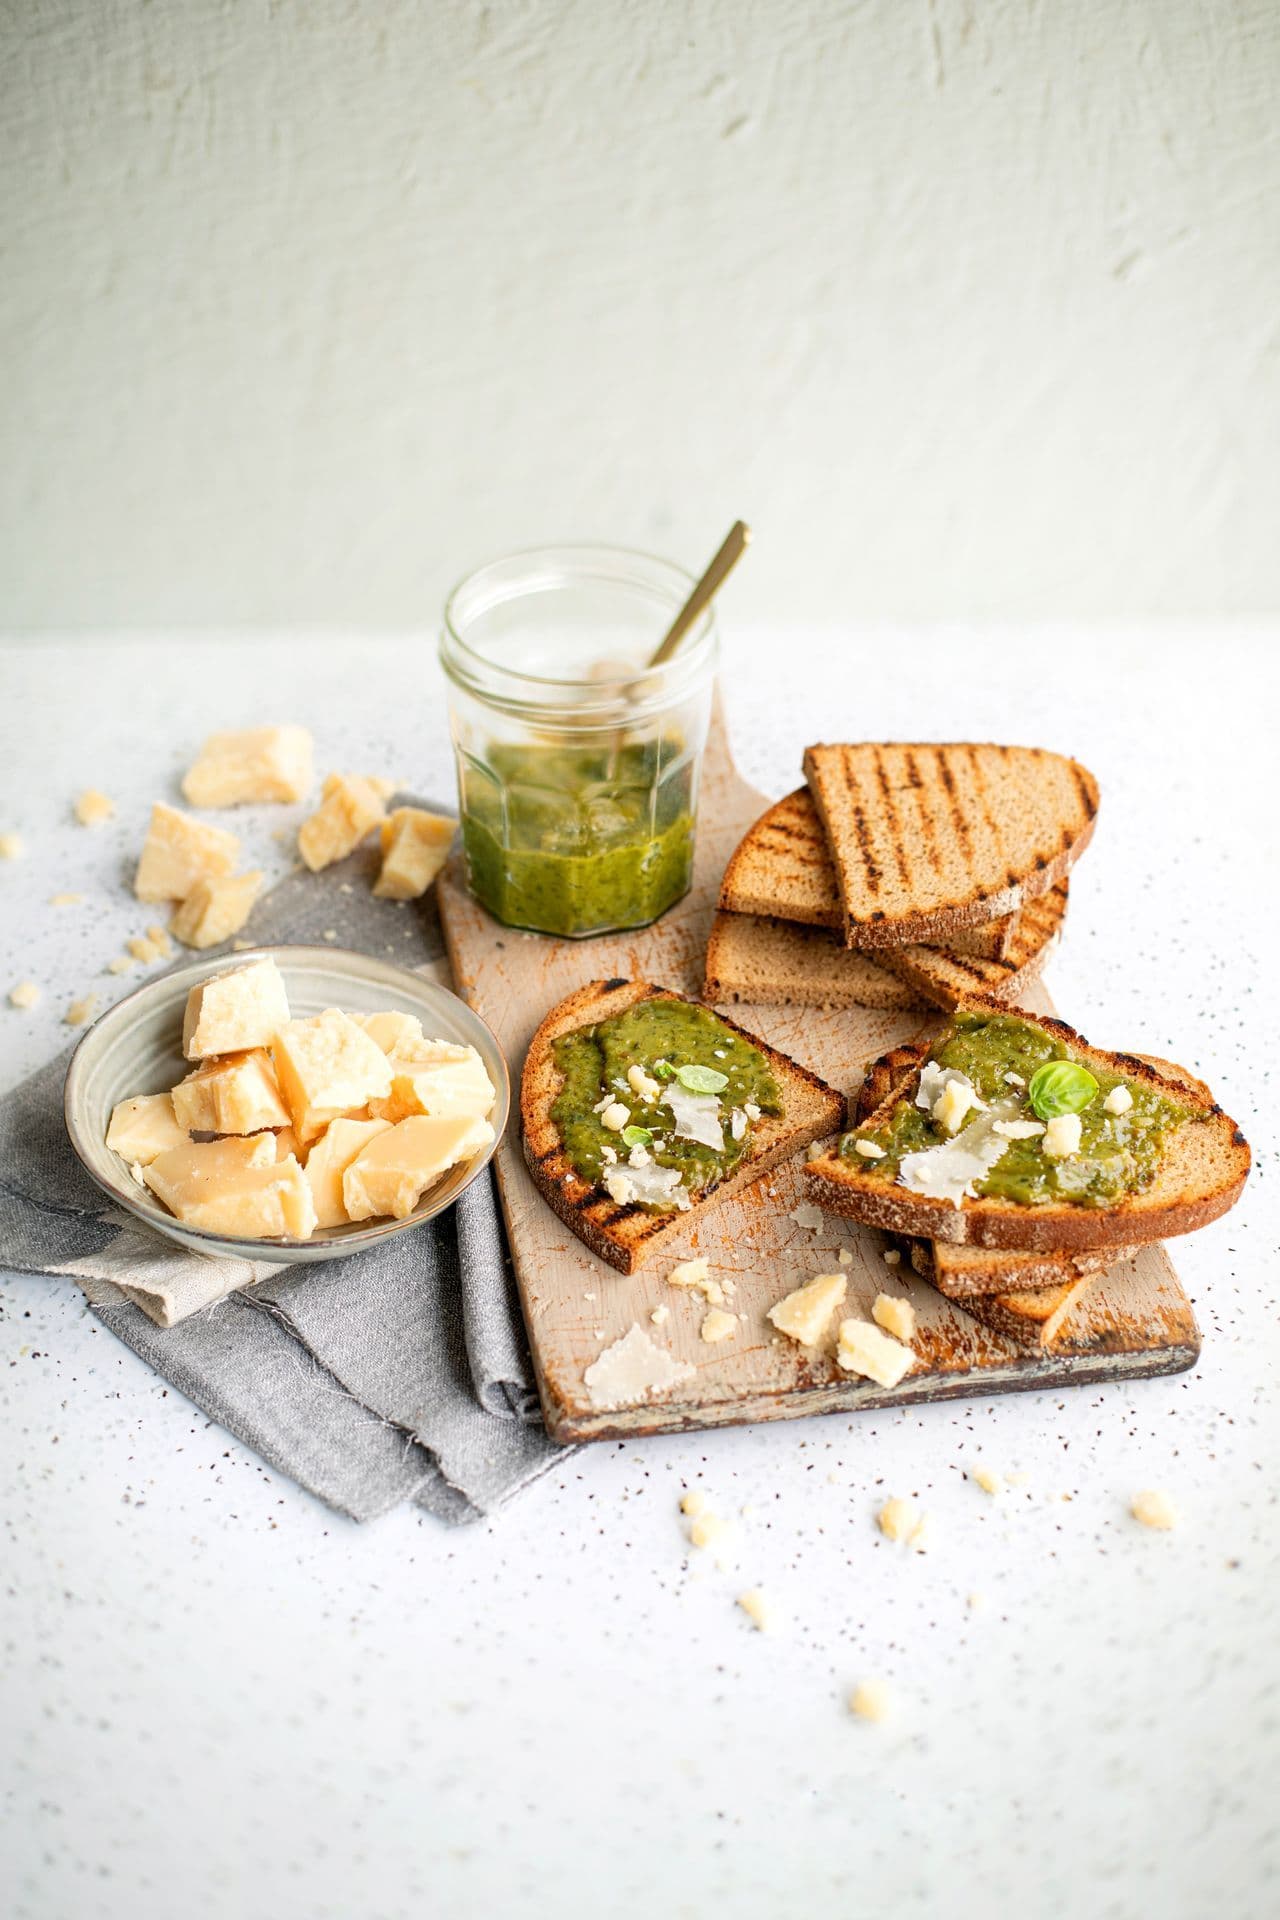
1118	1153
660	1037
579	840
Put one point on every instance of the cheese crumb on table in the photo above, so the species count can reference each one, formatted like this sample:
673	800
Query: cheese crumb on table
892	1257
660	1315
870	1700
986	1478
808	1216
1154	1509
694	1502
80	1011
141	948
718	1326
161	942
93	808
898	1518
975	1602
866	1350
65	899
24	996
693	1275
896	1316
707	1529
123	963
803	1315
845	1257
757	1609
10	846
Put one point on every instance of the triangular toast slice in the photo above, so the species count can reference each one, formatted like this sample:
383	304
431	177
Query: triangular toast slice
779	963
1034	1316
627	1234
782	869
1202	1170
929	839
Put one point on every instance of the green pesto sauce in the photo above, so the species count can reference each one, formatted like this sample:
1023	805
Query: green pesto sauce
1119	1153
578	841
594	1062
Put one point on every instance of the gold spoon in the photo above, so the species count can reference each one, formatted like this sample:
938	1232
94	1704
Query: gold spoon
732	548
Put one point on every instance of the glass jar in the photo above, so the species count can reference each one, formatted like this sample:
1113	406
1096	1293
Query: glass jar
577	763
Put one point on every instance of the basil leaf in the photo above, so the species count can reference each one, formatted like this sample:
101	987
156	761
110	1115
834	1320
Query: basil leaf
1060	1086
663	1070
702	1079
637	1136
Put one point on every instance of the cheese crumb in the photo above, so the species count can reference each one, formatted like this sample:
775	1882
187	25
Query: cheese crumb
10	846
757	1609
141	948
1154	1509
161	943
642	1084
1119	1100
1062	1136
92	808
692	1274
869	1149
898	1519
80	1011
718	1326
707	1529
25	995
694	1503
897	1317
864	1349
660	1316
986	1478
123	963
804	1314
870	1700
921	1535
615	1117
808	1216
845	1257
975	1602
892	1258
65	899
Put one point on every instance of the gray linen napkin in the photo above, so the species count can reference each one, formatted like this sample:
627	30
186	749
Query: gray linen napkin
402	1373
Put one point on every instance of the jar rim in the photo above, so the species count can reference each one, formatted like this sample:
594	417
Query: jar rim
518	575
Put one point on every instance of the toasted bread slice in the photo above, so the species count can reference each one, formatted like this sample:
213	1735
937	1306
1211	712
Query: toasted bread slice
626	1235
782	868
978	1273
1203	1169
929	839
1033	1317
779	963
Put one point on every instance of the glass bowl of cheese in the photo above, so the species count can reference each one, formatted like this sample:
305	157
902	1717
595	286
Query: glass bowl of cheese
287	1104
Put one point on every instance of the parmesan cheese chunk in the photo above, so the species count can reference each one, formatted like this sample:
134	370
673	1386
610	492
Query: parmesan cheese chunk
143	1128
392	1172
719	1325
350	809
1154	1509
1062	1136
870	1700
898	1519
328	1161
93	809
327	1067
757	1609
804	1314
180	851
254	765
415	846
896	1316
864	1349
235	1093
24	996
1119	1100
215	909
234	1186
10	846
244	1007
443	1079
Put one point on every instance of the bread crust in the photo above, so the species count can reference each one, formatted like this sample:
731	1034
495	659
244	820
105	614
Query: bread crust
626	1235
865	838
1201	1177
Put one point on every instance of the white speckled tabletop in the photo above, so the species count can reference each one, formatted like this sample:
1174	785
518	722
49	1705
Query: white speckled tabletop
223	1701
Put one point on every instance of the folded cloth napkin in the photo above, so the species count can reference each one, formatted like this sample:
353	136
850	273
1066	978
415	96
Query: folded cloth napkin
400	1374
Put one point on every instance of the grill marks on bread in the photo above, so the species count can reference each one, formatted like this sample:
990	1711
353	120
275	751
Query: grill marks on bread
928	839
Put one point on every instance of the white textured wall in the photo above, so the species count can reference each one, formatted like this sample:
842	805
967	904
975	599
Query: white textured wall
307	306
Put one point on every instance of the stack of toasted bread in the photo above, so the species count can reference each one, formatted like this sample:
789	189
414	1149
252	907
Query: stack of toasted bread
902	875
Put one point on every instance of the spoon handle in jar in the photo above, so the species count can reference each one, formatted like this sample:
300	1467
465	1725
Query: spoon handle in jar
731	551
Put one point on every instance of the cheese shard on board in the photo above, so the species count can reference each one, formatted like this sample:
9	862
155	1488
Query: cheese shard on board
415	845
230	1012
804	1314
327	1067
392	1173
235	1093
328	1161
351	806
442	1079
253	765
864	1349
215	909
633	1369
178	852
143	1128
234	1186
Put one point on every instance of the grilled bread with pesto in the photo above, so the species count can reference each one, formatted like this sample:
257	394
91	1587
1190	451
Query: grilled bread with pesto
1013	1133
782	869
639	1105
930	839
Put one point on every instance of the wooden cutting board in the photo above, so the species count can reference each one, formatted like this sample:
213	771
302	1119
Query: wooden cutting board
1133	1321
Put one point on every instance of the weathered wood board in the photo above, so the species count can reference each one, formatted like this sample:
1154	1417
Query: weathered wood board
1135	1320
